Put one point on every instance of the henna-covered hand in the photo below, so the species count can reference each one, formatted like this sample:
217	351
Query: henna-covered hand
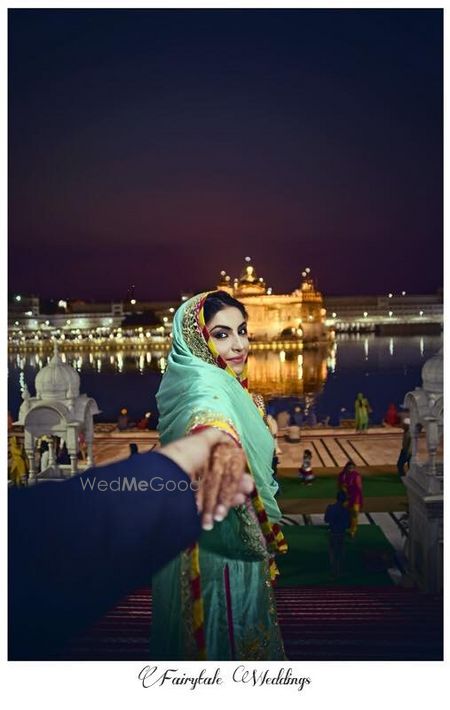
217	465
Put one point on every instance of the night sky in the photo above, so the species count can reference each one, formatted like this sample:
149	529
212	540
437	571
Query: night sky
158	147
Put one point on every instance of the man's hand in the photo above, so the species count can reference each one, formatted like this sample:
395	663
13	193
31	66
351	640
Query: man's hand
211	459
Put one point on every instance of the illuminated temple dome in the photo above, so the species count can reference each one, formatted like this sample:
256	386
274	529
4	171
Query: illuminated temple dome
296	316
249	283
225	283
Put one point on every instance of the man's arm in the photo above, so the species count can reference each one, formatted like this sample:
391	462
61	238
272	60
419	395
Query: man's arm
77	546
74	548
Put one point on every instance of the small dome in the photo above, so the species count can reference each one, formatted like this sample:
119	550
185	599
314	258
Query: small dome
433	374
249	282
57	380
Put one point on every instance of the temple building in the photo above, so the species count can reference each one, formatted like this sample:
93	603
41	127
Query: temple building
298	316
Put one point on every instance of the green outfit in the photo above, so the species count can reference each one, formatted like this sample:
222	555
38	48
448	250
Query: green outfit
240	619
362	408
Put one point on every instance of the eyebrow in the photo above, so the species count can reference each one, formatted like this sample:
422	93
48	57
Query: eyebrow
226	327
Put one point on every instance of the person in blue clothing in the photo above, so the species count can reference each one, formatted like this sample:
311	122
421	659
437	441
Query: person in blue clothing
338	519
76	547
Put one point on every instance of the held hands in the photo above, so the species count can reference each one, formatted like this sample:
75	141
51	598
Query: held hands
218	466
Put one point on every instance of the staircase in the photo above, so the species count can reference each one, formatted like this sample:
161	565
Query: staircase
317	623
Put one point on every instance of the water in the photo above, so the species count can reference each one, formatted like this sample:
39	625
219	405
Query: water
323	381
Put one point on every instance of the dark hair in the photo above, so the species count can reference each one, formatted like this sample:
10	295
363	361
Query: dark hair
307	452
341	497
217	301
133	449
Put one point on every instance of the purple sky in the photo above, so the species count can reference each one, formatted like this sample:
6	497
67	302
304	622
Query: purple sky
158	147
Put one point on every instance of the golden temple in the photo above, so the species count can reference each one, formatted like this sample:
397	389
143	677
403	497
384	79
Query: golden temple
298	316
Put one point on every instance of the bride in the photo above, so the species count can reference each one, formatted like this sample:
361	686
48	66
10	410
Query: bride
215	601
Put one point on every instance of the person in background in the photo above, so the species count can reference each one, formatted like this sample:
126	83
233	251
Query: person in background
350	482
362	411
144	422
82	447
45	455
405	452
392	417
18	464
297	418
122	421
305	471
311	419
337	517
63	457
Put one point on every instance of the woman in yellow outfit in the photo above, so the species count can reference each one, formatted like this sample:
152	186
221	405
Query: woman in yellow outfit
18	465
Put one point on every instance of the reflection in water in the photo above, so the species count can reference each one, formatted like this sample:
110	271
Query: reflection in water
271	372
288	373
366	348
384	368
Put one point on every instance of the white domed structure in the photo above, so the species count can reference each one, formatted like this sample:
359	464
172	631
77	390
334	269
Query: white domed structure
433	374
58	410
425	479
57	381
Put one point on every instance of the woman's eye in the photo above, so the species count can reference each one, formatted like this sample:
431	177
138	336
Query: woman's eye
243	331
220	335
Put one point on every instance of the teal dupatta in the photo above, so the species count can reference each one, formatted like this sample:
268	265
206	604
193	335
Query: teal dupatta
238	607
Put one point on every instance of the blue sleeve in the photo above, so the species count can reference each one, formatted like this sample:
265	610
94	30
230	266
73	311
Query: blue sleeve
76	547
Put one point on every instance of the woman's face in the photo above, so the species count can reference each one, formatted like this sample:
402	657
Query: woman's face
228	328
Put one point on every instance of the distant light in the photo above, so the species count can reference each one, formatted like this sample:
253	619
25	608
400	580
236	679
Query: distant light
133	301
269	291
184	298
307	270
68	321
47	322
28	313
403	293
333	315
390	314
389	295
18	298
62	304
261	279
147	415
171	310
304	274
222	273
365	314
248	258
165	319
420	313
